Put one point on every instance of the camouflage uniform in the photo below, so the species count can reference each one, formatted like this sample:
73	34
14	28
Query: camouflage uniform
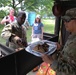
14	29
66	62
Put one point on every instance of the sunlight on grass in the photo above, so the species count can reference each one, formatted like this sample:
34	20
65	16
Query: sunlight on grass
49	26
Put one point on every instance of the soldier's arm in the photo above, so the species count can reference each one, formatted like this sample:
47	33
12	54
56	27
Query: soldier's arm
24	40
68	62
6	32
24	32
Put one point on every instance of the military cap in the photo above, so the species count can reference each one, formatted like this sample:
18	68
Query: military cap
70	14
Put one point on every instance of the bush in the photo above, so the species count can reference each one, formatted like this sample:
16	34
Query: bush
2	14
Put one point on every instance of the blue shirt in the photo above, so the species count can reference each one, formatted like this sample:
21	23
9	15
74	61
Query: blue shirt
37	28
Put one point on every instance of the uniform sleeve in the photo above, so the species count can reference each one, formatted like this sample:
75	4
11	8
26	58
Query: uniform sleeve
66	64
24	33
54	65
24	41
6	32
63	67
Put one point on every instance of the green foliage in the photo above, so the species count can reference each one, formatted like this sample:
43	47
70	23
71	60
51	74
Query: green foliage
39	6
2	14
5	3
1	39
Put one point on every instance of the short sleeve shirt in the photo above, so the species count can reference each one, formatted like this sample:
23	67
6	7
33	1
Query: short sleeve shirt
37	28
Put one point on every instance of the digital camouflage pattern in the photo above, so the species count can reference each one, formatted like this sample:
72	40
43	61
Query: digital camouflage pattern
14	29
70	14
66	63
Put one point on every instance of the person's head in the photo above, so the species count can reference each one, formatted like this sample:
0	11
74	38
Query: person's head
11	11
21	16
70	20
38	19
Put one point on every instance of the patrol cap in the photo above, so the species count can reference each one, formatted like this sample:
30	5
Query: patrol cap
69	15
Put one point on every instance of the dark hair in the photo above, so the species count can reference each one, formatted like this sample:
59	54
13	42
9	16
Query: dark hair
39	20
21	13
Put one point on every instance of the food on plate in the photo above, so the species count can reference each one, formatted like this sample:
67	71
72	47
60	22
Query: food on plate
41	48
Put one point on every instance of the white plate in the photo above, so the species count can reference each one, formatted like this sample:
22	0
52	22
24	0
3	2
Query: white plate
52	48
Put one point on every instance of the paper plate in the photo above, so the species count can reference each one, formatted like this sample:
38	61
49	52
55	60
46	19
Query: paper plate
51	49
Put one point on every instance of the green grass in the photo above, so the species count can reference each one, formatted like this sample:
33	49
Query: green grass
48	27
2	41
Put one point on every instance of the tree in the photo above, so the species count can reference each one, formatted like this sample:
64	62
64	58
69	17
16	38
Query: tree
39	6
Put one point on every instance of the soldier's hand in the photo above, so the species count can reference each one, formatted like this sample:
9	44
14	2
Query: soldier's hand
58	46
47	58
18	40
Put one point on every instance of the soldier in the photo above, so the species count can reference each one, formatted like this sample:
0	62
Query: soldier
65	64
15	32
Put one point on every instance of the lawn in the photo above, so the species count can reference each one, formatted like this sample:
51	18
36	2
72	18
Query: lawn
48	27
2	41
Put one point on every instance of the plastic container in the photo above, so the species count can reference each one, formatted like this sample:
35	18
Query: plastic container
31	17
